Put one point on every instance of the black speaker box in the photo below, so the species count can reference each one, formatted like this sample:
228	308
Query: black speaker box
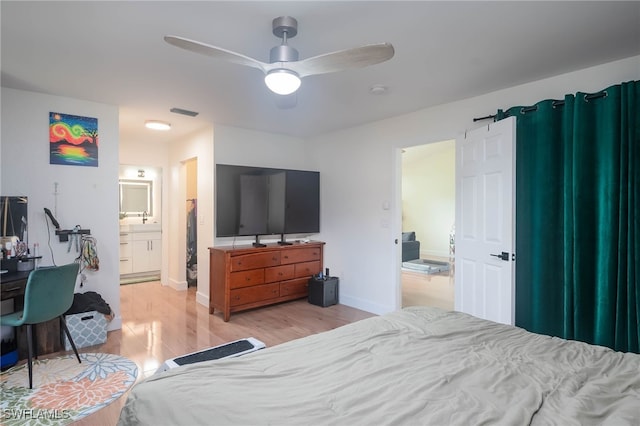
323	292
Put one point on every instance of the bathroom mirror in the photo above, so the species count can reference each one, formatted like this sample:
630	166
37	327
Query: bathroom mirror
136	197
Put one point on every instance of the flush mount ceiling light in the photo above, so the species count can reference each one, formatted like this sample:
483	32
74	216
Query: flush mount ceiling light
157	125
282	81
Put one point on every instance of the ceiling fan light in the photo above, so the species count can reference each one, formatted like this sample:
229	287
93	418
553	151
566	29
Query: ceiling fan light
157	125
282	81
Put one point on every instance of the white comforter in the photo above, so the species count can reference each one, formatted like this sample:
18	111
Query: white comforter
415	366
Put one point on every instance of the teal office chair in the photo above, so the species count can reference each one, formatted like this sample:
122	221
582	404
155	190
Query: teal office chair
48	295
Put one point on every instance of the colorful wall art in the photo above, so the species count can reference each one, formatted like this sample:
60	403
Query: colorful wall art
73	140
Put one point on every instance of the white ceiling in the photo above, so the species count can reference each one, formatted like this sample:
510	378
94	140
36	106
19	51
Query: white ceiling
114	53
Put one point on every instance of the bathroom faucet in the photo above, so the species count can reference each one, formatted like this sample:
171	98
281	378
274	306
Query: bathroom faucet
144	217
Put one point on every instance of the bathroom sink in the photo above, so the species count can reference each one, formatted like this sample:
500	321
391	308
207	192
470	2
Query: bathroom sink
140	227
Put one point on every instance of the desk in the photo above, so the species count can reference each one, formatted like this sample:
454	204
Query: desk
47	334
13	284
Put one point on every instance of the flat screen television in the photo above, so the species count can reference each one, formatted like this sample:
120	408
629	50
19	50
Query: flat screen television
254	201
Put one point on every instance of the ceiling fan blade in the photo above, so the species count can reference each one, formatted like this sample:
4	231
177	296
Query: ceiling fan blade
215	52
357	57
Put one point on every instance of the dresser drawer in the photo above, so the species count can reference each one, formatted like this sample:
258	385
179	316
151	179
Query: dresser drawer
246	278
255	260
298	286
300	255
279	273
306	269
243	296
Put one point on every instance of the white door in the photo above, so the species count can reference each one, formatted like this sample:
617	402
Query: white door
485	222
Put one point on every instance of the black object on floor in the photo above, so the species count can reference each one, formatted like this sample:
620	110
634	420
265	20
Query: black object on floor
323	291
226	350
215	353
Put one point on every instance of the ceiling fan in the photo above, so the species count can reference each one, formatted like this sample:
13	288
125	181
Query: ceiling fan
284	70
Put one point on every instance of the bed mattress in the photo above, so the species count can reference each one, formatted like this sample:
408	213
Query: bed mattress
415	366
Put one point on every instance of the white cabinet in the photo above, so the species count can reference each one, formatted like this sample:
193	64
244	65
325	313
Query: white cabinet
140	251
146	251
126	262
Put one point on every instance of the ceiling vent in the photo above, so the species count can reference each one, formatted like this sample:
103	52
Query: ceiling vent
184	112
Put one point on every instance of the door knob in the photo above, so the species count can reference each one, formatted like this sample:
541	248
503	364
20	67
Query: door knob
504	255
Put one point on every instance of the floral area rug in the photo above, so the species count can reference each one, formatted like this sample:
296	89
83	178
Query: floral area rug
63	389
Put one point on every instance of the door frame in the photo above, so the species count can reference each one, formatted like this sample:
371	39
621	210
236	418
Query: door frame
396	217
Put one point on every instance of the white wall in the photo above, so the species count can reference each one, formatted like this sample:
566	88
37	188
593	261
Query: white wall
198	146
360	174
87	196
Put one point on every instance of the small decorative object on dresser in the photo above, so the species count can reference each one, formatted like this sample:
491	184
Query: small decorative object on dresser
248	277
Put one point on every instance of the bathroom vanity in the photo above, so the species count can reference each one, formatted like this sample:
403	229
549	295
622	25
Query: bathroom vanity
140	248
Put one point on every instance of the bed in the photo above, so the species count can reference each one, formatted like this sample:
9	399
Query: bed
418	365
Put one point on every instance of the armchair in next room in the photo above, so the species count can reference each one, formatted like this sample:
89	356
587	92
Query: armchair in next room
410	247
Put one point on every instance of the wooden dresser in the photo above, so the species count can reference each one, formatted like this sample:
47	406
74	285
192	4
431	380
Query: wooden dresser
248	277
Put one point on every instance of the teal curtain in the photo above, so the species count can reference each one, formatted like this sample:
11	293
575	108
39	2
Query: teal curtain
578	216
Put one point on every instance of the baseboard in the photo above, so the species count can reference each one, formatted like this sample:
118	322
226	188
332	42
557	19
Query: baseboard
202	299
178	285
365	305
426	254
139	278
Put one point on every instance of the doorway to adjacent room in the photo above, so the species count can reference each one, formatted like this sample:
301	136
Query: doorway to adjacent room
191	167
428	225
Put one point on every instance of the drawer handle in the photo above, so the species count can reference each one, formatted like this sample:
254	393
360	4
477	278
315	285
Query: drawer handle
236	297
286	257
275	259
123	244
247	279
124	260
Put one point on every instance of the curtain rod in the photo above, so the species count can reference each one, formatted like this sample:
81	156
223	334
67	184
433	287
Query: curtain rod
485	118
590	96
587	98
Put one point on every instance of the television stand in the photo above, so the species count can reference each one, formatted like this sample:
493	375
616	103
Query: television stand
245	277
257	243
282	241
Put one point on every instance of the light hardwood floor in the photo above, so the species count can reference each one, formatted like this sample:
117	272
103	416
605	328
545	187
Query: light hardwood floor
428	289
159	323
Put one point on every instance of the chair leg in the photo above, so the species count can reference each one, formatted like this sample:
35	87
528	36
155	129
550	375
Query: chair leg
34	340
30	354
66	330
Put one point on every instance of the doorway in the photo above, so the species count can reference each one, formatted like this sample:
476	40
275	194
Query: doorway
428	225
191	167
